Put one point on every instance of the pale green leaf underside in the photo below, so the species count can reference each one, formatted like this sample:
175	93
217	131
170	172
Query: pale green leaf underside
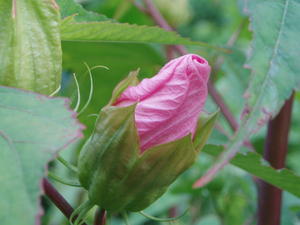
275	56
30	49
119	32
32	129
274	63
254	164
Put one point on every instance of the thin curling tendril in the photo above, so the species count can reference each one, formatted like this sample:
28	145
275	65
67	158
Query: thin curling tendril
163	219
91	85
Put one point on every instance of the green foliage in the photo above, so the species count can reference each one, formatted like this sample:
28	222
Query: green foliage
30	45
274	60
33	128
69	8
119	32
274	64
254	164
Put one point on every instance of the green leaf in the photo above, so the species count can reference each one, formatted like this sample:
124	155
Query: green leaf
275	68
253	163
69	8
32	129
108	31
30	48
275	57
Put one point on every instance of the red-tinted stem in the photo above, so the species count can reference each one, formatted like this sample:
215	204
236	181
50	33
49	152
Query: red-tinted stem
156	16
57	199
276	146
100	217
218	99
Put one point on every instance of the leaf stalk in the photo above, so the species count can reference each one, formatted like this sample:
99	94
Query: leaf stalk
276	147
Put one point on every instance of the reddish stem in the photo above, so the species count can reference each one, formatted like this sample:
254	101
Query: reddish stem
57	199
156	16
276	146
100	217
223	107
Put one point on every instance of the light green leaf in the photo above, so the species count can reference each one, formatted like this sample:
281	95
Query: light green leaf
108	31
69	7
30	49
253	163
275	68
32	129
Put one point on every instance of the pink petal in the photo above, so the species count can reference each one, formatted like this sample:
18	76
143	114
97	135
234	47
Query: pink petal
169	104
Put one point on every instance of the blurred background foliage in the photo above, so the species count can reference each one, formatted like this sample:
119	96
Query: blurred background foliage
231	198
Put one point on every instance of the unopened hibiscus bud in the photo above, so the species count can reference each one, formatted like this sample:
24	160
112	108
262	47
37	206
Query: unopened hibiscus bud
147	136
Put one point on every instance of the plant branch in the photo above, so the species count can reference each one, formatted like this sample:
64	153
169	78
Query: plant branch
100	217
57	199
276	146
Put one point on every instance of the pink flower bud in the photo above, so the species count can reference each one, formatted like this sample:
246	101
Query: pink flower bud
169	104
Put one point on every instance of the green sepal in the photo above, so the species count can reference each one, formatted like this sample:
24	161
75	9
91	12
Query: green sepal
114	171
109	155
156	170
130	80
205	126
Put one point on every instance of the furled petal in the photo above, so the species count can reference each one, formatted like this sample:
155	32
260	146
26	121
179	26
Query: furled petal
169	104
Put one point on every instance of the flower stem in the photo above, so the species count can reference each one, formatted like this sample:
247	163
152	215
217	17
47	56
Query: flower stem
125	217
276	146
100	217
57	199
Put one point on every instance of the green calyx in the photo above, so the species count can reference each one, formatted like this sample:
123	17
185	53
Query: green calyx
117	175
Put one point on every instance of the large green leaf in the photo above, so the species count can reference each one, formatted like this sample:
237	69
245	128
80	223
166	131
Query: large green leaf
69	7
275	67
32	129
108	31
30	49
253	163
